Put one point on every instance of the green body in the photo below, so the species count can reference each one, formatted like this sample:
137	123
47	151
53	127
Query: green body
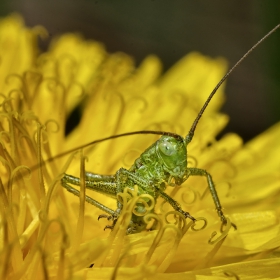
163	163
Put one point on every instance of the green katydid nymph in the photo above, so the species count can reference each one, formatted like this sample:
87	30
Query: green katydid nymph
163	163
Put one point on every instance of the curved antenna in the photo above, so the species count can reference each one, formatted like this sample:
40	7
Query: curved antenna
191	132
177	136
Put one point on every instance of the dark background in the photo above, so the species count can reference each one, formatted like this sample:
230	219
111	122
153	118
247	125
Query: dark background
170	29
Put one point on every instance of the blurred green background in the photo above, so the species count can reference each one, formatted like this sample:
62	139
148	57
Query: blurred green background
171	29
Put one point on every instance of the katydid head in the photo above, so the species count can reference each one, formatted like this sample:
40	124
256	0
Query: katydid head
172	152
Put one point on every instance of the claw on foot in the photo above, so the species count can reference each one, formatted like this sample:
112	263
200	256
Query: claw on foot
108	217
109	227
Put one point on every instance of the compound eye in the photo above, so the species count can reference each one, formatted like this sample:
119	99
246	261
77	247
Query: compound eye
167	148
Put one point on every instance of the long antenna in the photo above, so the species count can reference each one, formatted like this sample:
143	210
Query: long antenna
177	136
191	132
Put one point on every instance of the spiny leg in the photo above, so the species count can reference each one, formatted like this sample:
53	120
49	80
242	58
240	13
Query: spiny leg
108	185
100	183
214	194
107	188
174	204
88	199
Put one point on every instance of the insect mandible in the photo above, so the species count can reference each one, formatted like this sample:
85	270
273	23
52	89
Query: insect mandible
162	162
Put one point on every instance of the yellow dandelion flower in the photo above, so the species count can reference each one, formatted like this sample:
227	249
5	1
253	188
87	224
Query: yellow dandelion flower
48	233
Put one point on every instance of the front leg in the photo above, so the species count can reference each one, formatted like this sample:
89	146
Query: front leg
174	204
211	186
